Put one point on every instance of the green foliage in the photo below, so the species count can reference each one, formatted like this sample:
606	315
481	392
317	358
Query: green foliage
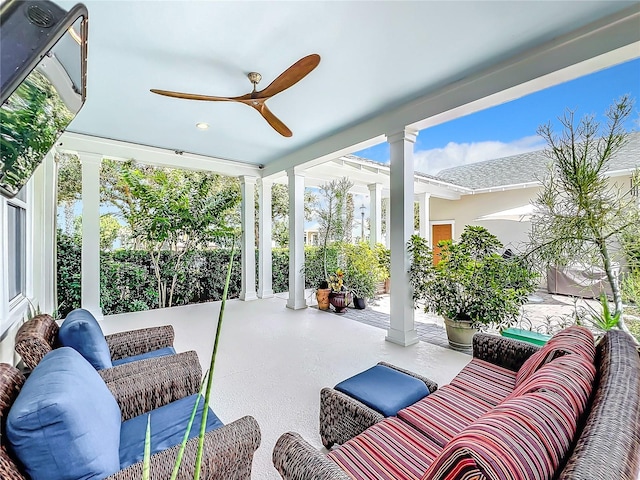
384	260
630	287
68	269
315	261
362	270
471	281
604	320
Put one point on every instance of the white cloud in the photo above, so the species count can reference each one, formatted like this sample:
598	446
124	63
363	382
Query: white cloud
456	154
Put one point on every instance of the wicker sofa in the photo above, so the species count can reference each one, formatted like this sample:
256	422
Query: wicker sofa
63	422
568	410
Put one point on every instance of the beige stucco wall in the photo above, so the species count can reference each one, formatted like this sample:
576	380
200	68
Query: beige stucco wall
511	233
466	210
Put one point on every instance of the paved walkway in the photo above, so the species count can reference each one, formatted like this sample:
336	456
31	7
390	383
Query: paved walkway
545	313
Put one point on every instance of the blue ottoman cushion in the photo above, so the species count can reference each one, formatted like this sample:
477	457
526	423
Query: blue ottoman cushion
161	352
65	423
81	331
168	424
384	389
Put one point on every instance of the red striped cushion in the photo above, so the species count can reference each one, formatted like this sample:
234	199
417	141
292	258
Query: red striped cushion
486	380
390	449
522	438
573	339
445	413
570	376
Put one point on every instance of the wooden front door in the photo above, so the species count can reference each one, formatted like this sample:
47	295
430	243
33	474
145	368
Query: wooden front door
441	231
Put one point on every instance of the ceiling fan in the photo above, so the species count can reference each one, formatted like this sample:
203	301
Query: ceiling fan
255	99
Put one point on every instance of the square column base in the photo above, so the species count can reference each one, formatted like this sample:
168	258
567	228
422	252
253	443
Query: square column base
294	304
248	296
268	294
401	337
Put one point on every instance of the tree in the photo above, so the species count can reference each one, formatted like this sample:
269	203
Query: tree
580	215
69	186
110	230
175	212
331	214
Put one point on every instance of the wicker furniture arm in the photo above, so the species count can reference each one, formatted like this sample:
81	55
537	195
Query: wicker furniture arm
35	339
608	447
228	455
141	386
505	352
295	459
136	342
343	417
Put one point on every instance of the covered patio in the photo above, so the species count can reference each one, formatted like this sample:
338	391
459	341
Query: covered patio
274	361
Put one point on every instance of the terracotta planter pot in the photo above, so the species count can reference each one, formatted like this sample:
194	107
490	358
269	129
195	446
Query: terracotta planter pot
460	334
339	300
322	295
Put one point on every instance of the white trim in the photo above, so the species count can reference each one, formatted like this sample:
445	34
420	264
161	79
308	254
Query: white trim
441	222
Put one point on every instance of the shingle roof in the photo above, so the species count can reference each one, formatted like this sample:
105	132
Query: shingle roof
527	167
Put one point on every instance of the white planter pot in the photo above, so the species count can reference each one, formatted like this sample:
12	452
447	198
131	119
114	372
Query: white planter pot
460	334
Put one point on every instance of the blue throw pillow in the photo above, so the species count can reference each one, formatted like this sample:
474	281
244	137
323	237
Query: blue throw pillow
81	331
65	423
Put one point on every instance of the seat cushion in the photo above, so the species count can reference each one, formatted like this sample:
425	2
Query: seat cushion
389	450
573	339
486	380
161	352
168	424
525	437
81	331
444	413
384	389
65	423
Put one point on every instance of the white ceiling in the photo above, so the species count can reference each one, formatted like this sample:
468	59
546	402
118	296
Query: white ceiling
384	65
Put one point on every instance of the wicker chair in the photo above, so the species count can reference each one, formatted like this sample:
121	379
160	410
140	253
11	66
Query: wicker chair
228	450
39	336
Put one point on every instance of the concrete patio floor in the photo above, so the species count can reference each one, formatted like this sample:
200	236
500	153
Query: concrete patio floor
273	361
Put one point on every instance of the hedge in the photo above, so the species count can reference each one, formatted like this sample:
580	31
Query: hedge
128	283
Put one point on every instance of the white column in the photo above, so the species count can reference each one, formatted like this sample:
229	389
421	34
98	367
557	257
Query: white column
248	221
423	203
296	299
265	222
44	234
375	213
387	222
402	329
91	233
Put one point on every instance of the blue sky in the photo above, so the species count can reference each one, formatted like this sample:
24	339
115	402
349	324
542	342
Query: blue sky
510	129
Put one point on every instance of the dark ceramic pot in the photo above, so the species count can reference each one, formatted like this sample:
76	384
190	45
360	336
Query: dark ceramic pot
359	303
339	300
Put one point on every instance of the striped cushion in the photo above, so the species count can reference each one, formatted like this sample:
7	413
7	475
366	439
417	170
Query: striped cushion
390	449
444	413
573	339
522	438
570	376
486	380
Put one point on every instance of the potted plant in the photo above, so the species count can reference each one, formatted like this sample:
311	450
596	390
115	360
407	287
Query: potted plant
338	297
362	273
472	286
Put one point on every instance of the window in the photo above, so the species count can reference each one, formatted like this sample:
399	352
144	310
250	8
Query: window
16	245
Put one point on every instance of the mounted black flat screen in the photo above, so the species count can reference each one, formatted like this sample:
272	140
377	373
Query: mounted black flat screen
43	79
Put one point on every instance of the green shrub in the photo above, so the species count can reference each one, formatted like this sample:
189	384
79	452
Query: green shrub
69	268
630	287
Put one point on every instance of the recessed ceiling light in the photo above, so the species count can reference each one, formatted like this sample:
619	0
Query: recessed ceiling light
202	125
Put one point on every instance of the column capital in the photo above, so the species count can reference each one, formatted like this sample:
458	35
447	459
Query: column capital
408	134
293	171
375	187
88	157
267	182
248	179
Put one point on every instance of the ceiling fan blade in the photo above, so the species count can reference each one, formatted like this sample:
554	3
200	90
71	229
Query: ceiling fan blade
193	96
291	76
274	121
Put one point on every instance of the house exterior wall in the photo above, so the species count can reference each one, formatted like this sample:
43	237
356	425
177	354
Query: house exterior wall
512	234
